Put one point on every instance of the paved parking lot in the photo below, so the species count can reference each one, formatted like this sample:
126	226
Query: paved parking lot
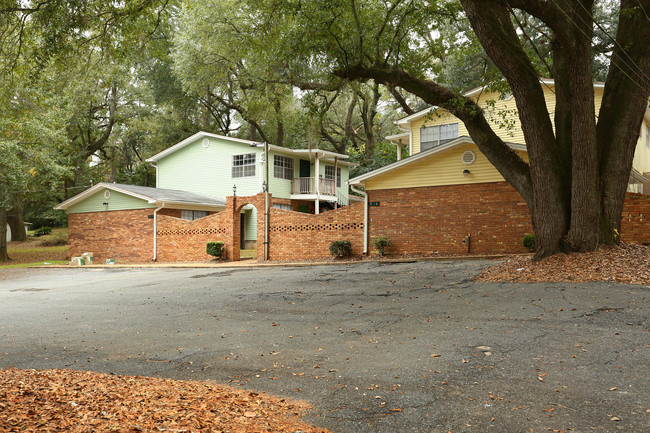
408	347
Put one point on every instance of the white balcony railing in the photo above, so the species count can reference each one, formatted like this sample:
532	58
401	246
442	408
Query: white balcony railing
306	185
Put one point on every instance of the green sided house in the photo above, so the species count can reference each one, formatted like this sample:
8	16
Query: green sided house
193	179
446	197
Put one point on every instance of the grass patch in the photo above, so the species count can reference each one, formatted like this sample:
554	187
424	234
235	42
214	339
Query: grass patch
27	265
51	248
247	254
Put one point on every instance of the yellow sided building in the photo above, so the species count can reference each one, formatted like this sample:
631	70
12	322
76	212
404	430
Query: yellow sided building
445	196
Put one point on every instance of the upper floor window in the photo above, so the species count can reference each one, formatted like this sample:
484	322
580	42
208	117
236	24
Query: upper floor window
243	165
432	136
329	174
282	167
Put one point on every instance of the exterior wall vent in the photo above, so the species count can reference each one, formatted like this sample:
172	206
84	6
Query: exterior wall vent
107	194
468	157
205	142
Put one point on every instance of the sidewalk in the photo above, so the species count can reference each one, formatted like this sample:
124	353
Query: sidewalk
252	263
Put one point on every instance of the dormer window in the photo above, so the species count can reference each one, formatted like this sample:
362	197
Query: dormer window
432	136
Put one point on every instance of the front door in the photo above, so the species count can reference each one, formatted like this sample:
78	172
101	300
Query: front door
305	168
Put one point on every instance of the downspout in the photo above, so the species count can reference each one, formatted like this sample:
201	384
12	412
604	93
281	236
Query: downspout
365	217
155	232
266	201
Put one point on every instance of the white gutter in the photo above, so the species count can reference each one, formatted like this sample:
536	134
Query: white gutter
365	217
155	232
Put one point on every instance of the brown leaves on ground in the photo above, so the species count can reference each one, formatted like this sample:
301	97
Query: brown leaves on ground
77	401
626	263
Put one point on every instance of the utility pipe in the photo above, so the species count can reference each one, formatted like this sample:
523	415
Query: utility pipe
155	232
266	201
365	217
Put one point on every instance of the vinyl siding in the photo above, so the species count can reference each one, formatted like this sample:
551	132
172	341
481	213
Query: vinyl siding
641	160
511	132
117	201
208	170
250	224
444	168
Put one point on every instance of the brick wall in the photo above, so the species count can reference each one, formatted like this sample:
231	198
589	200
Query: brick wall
297	235
183	240
125	235
438	219
635	224
416	221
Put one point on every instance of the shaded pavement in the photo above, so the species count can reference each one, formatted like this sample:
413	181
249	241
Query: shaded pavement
375	347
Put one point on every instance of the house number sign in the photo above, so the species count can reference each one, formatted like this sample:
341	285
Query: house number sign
373	203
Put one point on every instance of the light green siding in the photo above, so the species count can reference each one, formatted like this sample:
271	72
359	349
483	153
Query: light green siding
281	188
116	201
250	224
208	170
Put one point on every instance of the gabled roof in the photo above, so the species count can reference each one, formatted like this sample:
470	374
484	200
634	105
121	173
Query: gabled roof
191	139
423	155
278	149
158	196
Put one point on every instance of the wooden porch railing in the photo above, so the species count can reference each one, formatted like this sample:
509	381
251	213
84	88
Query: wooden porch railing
306	185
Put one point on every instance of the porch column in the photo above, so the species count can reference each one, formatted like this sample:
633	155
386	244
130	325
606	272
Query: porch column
317	181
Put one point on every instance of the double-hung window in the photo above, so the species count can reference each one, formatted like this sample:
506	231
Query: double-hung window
243	165
432	136
329	174
282	167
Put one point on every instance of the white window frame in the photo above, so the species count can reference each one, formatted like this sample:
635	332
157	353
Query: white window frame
243	165
192	215
329	174
282	167
436	134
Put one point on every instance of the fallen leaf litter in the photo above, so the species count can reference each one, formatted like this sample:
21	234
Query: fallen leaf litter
627	263
79	401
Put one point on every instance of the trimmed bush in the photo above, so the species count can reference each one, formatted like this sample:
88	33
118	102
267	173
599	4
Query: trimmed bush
43	231
529	242
380	243
215	249
341	249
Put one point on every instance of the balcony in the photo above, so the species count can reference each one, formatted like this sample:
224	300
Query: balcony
305	188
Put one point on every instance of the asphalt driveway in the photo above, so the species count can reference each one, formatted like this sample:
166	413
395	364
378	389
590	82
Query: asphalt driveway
403	347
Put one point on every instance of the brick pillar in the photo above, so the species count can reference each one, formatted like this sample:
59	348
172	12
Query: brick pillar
232	229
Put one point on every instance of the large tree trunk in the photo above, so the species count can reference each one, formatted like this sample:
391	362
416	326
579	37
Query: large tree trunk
4	256
16	222
625	100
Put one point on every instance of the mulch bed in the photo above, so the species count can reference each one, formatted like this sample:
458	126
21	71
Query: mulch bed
627	263
79	401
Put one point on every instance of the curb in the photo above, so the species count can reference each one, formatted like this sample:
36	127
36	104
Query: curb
254	264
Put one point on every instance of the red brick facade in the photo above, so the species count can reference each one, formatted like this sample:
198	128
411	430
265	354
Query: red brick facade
490	217
296	235
484	218
124	235
635	224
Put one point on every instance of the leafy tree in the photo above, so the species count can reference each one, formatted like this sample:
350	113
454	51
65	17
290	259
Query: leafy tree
579	165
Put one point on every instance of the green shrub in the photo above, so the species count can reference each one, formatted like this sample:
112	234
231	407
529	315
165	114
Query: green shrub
529	242
380	243
43	231
54	241
215	249
341	248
